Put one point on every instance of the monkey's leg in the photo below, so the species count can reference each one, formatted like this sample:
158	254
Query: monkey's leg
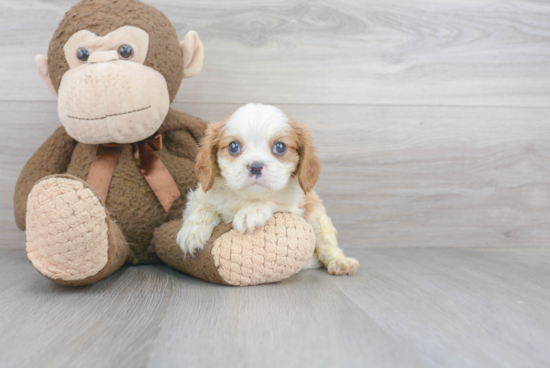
71	239
272	253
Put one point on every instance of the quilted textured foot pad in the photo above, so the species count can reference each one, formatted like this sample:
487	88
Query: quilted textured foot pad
272	253
67	232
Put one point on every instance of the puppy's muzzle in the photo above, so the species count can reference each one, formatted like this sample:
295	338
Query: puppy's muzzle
255	168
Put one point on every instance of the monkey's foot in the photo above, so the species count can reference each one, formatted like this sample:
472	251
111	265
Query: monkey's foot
272	253
70	237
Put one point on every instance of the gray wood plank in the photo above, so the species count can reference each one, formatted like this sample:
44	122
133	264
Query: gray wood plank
392	176
477	53
460	308
109	324
152	316
301	322
405	307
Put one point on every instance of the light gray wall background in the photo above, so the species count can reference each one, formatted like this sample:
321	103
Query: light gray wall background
431	117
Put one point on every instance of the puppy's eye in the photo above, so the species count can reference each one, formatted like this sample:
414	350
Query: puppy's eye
234	148
82	54
125	52
279	148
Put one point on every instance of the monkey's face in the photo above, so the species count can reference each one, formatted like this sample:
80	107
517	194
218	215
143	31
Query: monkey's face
116	67
108	95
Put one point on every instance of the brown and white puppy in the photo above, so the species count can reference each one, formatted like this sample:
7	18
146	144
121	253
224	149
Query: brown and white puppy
255	162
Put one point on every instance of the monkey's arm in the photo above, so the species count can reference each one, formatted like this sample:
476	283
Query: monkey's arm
52	157
182	133
181	143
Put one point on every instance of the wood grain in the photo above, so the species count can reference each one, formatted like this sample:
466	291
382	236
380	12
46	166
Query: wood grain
426	52
153	316
398	176
459	308
404	308
109	324
432	120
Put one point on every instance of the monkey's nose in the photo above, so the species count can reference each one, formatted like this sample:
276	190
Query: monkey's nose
256	168
102	56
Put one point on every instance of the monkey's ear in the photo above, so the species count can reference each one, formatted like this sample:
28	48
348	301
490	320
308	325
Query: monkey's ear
193	54
42	65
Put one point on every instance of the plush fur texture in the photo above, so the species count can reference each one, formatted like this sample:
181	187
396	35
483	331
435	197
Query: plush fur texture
274	252
66	222
52	157
255	162
110	97
131	201
201	266
71	239
102	17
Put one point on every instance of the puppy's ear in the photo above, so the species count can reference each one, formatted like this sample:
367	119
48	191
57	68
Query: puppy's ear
206	166
309	166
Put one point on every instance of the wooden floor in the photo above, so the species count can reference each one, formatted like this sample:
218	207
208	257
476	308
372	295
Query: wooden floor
405	308
432	120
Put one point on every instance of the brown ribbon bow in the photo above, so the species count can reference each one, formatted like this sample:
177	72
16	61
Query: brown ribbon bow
155	173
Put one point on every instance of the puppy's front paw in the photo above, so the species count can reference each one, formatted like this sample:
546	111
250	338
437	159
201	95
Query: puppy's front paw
251	218
343	266
193	237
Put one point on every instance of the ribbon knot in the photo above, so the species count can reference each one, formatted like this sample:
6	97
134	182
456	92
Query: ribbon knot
151	166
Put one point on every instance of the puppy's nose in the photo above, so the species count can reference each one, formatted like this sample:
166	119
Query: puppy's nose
256	168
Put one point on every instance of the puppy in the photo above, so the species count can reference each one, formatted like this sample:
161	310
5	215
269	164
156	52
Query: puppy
255	162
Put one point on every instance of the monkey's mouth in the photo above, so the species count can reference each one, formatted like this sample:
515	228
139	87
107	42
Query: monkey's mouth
108	116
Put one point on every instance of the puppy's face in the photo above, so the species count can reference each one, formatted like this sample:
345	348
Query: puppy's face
257	148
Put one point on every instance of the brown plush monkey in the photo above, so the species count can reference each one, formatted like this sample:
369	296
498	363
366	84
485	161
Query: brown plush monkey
109	186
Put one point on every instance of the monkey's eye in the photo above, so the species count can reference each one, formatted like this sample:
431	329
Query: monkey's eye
125	51
279	148
234	148
82	54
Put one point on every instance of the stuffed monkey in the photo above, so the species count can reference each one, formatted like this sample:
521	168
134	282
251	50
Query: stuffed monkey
109	186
